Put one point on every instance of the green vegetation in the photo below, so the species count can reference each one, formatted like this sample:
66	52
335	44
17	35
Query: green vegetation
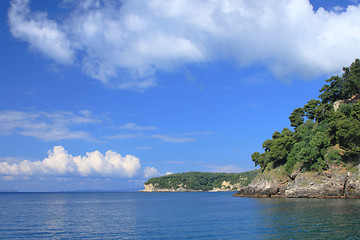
326	131
203	181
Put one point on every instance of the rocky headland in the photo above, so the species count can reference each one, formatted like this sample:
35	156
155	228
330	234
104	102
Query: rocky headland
320	156
336	182
199	182
225	187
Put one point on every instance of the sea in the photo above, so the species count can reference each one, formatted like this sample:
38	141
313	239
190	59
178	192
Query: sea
188	215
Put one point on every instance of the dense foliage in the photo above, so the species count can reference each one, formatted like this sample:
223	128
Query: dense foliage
203	181
325	132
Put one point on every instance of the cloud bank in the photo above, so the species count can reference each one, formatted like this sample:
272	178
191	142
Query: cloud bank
125	43
60	162
44	125
62	125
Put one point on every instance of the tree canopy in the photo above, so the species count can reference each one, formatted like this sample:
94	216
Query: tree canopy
322	135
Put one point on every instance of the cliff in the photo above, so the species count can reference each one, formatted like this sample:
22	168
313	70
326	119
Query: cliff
336	182
199	181
320	156
225	187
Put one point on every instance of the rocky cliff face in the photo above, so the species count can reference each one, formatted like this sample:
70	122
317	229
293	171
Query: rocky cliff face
154	188
225	186
337	182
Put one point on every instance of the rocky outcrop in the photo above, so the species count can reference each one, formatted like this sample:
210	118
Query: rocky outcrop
334	183
154	188
352	189
330	184
337	104
225	187
269	184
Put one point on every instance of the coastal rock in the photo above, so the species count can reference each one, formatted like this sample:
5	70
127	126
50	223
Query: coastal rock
225	187
352	188
264	186
317	185
149	188
154	188
336	182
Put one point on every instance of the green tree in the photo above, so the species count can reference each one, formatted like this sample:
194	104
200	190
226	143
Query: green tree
320	144
342	88
332	92
351	83
297	117
266	145
310	109
255	157
310	145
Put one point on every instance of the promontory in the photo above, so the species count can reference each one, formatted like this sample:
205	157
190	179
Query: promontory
317	157
199	182
320	156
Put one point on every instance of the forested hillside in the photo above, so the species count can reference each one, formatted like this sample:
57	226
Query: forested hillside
326	131
201	181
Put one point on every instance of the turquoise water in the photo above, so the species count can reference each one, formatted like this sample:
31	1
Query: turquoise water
174	216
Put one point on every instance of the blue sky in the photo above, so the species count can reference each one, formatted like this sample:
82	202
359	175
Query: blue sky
102	95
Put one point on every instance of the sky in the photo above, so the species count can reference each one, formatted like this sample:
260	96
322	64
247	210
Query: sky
103	95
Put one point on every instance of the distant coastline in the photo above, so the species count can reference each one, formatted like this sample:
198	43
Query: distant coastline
199	182
8	191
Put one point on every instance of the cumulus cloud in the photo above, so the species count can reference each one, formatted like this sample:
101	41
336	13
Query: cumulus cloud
125	43
150	172
44	125
60	162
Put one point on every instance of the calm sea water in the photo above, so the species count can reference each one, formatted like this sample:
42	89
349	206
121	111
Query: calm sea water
174	216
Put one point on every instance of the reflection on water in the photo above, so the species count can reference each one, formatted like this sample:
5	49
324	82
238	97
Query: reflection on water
174	216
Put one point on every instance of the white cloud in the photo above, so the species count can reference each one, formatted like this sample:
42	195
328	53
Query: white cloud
166	138
43	34
60	162
44	125
135	127
151	172
124	44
